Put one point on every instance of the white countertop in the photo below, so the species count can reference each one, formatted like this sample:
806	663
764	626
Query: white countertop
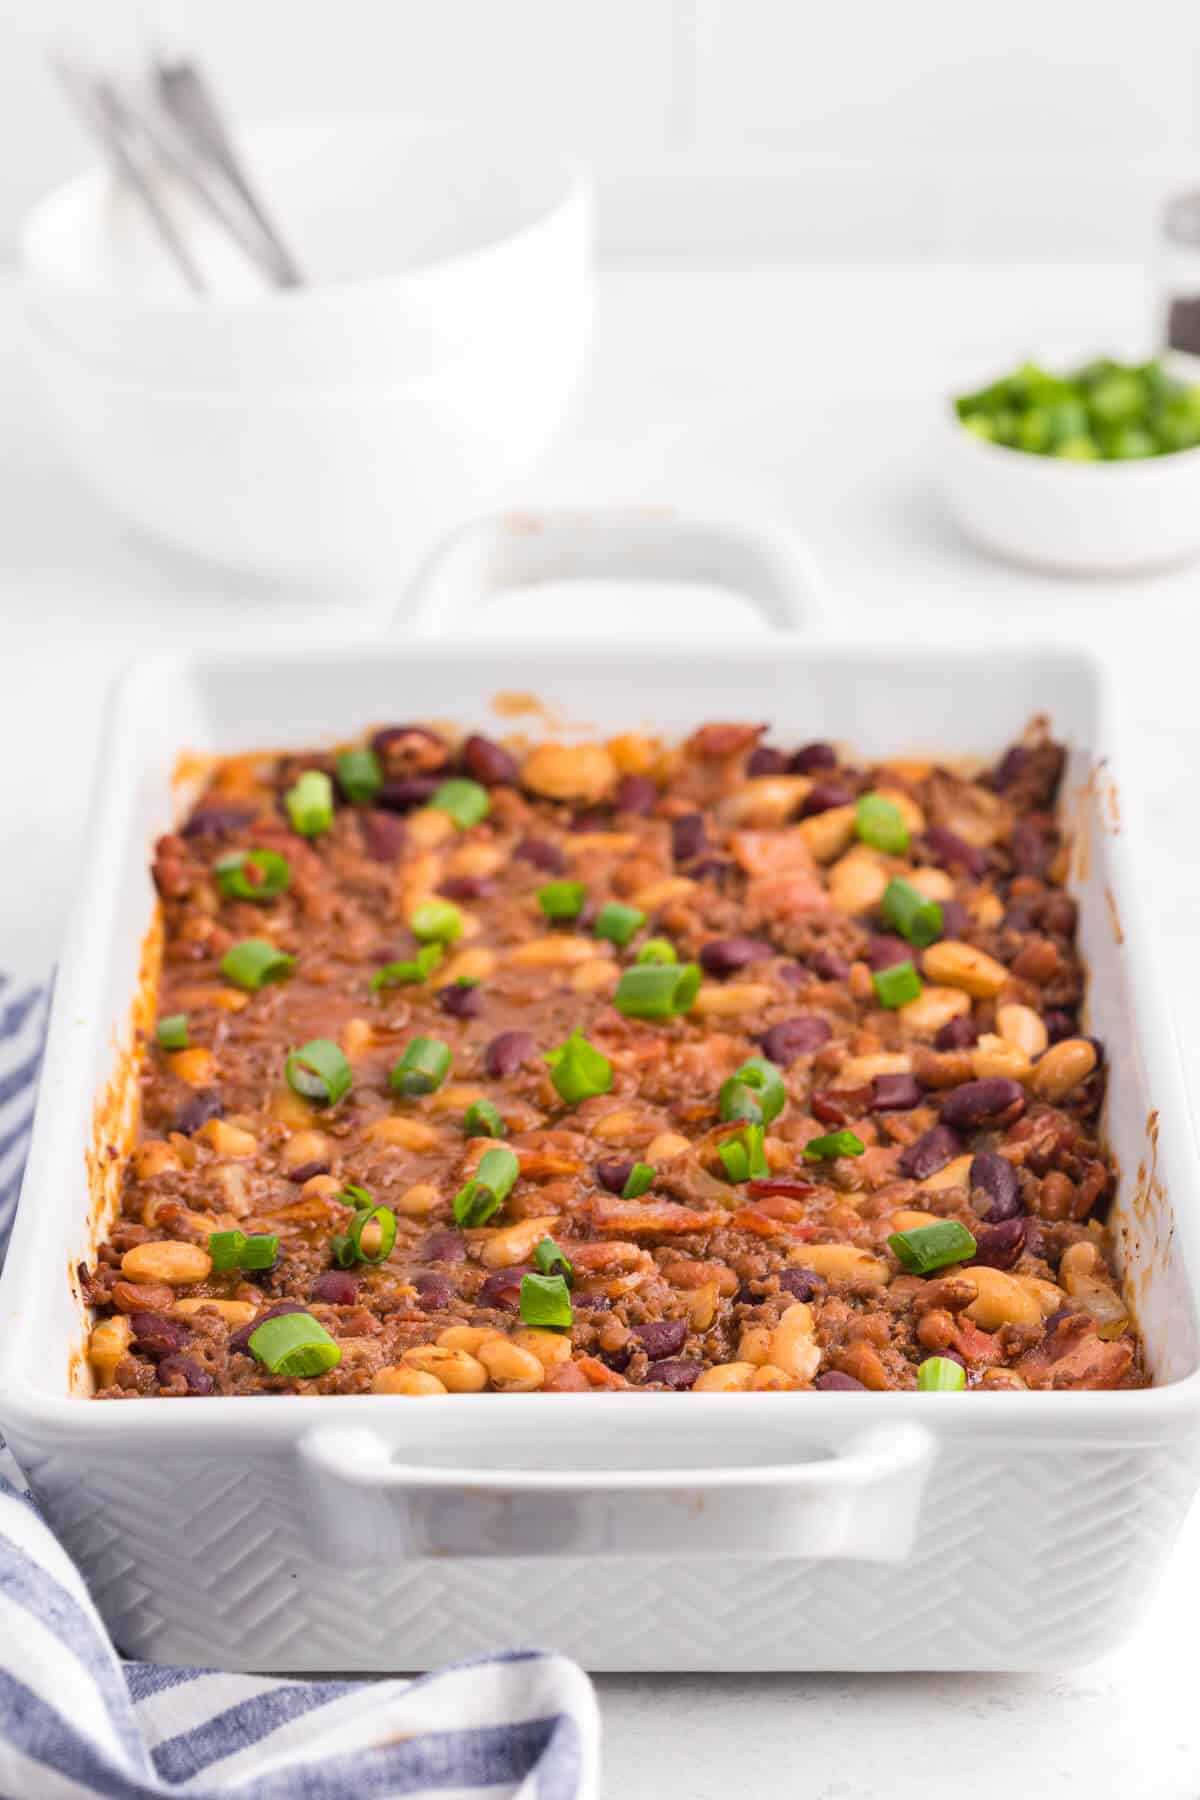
810	391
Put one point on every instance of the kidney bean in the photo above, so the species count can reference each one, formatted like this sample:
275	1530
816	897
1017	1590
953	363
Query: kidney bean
931	1152
954	918
409	750
675	1372
464	887
1060	914
1011	764
156	1335
957	1034
801	1284
689	838
950	851
662	1337
1059	1024
307	1170
895	1093
1000	1246
197	1111
336	1287
406	792
823	796
834	1382
977	1103
508	1053
195	1379
502	1288
795	974
995	1176
1032	847
435	1292
240	1339
801	1036
443	1246
838	1106
542	854
710	868
216	821
816	755
1020	915
725	956
592	818
765	761
612	1172
636	794
591	1302
885	951
383	835
617	1359
489	763
460	1002
829	965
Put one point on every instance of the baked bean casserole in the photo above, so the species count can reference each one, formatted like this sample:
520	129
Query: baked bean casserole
615	1065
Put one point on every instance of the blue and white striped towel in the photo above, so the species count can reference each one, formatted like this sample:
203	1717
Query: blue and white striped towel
76	1721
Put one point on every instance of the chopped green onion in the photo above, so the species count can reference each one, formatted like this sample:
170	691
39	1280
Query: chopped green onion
319	1071
578	1070
834	1143
347	1246
941	1375
657	950
546	1301
310	803
657	990
436	922
253	874
423	1067
549	1260
907	911
234	1250
743	1156
401	974
618	923
172	1032
359	775
253	962
295	1344
880	823
896	986
488	1188
755	1092
929	1247
641	1176
465	801
562	899
357	1197
482	1120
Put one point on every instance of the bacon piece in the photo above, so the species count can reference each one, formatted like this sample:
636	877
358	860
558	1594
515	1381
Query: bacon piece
796	1189
1074	1356
651	1215
598	1374
721	740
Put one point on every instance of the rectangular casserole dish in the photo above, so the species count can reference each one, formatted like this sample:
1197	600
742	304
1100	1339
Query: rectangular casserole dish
674	1531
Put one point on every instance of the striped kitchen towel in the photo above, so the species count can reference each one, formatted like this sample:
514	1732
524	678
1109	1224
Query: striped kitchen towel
76	1721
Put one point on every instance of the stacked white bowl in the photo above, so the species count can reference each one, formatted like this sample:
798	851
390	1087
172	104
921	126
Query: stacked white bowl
323	433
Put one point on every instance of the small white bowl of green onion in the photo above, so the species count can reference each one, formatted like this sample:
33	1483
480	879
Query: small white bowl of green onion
1089	469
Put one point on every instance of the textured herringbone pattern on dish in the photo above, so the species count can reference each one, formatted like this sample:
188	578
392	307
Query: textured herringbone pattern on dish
1022	1560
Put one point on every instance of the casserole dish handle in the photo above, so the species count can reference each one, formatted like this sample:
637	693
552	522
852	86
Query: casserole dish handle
861	1501
766	562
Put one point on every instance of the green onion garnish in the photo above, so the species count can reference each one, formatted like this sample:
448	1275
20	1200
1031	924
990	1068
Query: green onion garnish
355	1196
488	1188
347	1246
253	962
423	1067
295	1344
401	974
549	1260
465	801
880	823
941	1375
319	1071
359	775
657	950
929	1247
657	990
743	1156
234	1250
253	874
896	986
482	1120
578	1070
310	803
562	899
171	1033
907	911
618	923
755	1092
546	1301
834	1143
436	922
641	1176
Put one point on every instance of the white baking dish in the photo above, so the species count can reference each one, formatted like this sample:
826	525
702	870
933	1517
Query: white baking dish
676	1531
